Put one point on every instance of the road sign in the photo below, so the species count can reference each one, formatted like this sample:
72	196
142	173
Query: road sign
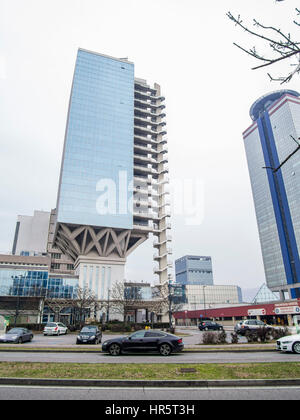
285	310
258	311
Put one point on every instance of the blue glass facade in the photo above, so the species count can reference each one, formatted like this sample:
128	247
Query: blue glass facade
194	270
97	165
19	282
276	191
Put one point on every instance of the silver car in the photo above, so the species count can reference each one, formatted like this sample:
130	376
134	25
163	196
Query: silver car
17	336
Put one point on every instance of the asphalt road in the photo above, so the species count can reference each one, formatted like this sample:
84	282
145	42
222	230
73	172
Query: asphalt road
168	395
224	357
191	338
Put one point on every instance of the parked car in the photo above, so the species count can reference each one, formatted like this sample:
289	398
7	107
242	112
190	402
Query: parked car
144	341
210	325
55	328
289	343
16	335
89	334
251	325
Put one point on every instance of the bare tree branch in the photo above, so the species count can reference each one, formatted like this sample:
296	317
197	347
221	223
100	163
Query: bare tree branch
281	45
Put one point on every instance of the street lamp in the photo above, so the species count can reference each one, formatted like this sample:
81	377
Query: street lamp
107	312
204	300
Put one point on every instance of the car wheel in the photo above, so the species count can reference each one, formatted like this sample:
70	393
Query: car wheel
31	338
220	329
114	349
296	347
20	341
165	349
206	329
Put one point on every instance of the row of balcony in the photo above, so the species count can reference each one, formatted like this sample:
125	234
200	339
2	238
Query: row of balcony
140	102
157	270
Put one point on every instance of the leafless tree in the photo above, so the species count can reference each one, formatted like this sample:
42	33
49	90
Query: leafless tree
166	300
123	297
280	45
83	303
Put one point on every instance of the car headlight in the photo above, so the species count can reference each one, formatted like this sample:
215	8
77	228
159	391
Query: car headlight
78	336
92	337
14	337
286	342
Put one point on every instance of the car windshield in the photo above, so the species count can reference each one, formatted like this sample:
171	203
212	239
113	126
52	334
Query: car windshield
51	324
15	331
88	330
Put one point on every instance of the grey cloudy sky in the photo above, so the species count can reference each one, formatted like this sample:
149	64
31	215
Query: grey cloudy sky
187	47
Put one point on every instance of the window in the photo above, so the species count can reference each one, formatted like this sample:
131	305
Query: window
55	266
154	334
138	334
57	256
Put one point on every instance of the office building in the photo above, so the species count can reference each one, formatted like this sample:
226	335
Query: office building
31	234
199	297
31	277
274	167
194	269
113	183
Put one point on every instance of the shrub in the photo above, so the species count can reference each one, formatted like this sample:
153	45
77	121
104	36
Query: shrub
209	337
221	337
277	333
263	334
251	337
234	338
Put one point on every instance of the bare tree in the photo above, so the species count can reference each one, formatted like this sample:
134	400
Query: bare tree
123	297
83	303
167	299
280	45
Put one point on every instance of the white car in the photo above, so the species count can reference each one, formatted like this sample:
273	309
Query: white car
55	328
289	343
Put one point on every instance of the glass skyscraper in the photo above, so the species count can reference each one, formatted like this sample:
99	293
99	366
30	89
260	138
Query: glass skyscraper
274	168
113	183
98	143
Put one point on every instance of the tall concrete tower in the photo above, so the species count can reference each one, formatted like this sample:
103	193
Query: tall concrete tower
112	189
274	167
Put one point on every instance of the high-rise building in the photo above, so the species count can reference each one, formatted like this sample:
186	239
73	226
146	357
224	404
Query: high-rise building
113	181
194	269
31	234
274	168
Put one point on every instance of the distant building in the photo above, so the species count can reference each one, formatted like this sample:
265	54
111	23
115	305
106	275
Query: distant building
210	296
31	234
265	295
194	269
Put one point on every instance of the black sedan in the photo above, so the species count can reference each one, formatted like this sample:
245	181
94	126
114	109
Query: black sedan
89	335
144	341
210	325
16	335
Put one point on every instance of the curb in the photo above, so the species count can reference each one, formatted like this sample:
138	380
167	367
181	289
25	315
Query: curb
93	383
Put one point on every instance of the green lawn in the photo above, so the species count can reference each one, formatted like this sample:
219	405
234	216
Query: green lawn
149	371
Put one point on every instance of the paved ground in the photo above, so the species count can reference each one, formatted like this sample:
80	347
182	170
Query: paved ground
168	395
204	357
193	338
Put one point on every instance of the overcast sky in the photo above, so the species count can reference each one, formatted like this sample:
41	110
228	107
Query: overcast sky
184	45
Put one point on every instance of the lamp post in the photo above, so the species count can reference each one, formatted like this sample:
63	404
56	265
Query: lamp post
204	300
185	313
107	312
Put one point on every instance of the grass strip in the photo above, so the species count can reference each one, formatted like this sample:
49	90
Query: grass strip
164	371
